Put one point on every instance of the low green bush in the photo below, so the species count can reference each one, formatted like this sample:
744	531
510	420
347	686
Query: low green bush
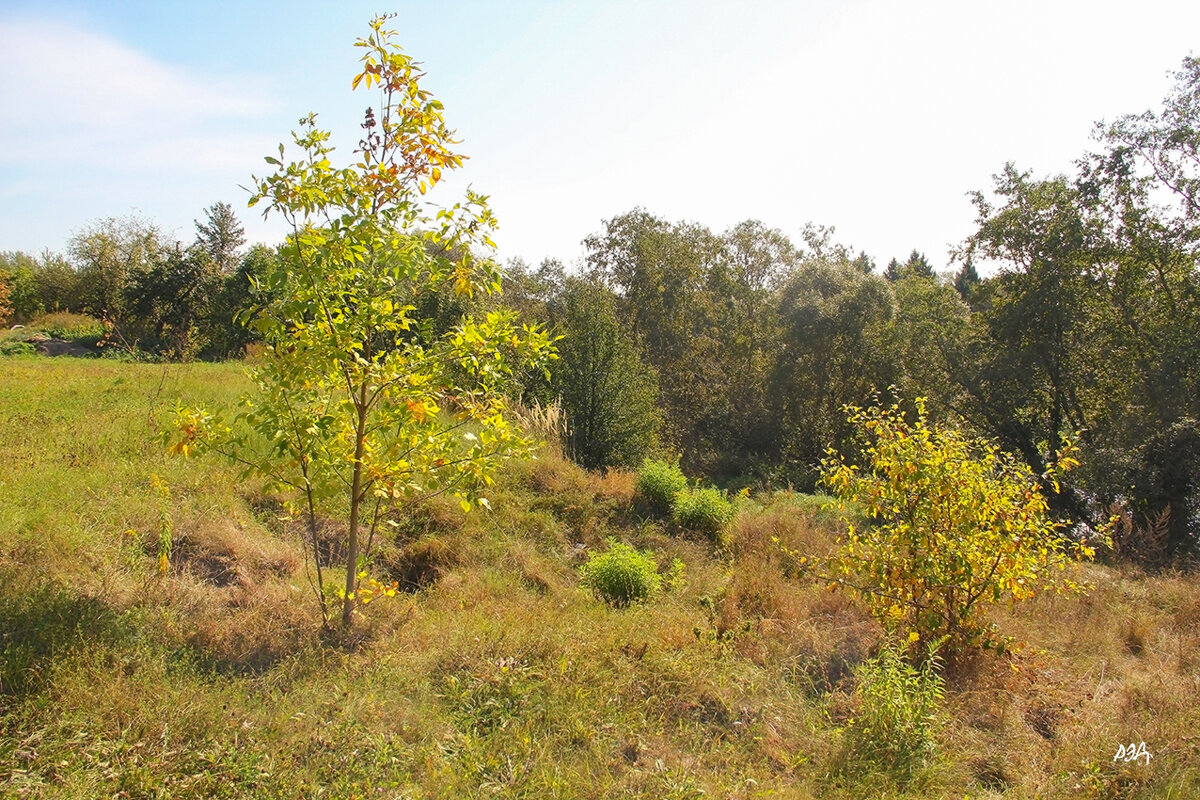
658	482
78	328
896	726
622	575
13	347
705	511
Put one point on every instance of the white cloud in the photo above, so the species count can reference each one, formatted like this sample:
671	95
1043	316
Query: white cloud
74	97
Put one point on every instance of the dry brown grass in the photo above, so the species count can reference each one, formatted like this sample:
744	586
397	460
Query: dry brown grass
238	593
223	553
617	486
776	619
547	424
502	676
419	564
1097	671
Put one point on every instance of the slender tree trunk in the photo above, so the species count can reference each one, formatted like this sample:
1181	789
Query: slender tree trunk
314	538
360	436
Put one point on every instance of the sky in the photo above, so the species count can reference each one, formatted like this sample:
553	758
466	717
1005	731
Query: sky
877	118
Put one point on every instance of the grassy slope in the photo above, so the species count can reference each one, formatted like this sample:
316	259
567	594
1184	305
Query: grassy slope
503	678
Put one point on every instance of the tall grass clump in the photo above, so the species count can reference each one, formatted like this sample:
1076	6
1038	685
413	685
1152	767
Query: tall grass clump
622	575
704	511
658	482
897	721
545	423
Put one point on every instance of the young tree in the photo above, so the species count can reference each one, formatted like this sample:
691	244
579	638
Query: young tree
360	405
953	524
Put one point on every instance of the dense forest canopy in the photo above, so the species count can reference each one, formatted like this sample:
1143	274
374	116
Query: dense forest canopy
1073	314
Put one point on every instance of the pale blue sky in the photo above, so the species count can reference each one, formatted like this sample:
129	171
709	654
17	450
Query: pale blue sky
875	117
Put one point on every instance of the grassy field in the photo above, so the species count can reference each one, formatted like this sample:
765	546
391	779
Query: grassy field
498	675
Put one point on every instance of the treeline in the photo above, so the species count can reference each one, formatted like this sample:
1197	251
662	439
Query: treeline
156	297
740	349
1071	314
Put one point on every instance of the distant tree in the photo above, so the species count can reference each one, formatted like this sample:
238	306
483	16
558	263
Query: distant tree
1164	146
58	283
166	301
106	254
228	326
760	257
916	265
19	272
534	292
659	272
608	395
821	246
699	306
1141	191
1093	325
221	235
933	340
834	351
966	280
5	305
1041	350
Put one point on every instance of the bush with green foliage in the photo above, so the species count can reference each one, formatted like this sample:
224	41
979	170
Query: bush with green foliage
706	511
16	347
6	308
622	575
658	482
897	721
610	397
78	328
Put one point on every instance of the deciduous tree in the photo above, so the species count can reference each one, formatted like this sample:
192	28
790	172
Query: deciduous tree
608	394
361	406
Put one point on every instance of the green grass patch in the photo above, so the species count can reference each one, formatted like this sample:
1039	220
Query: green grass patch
705	511
658	482
496	674
622	575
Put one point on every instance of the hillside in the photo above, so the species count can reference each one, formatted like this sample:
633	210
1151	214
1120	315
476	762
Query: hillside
494	673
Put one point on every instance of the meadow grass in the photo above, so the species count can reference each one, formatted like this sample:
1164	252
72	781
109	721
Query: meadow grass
496	674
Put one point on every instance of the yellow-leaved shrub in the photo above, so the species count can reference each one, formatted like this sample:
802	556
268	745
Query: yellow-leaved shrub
952	525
